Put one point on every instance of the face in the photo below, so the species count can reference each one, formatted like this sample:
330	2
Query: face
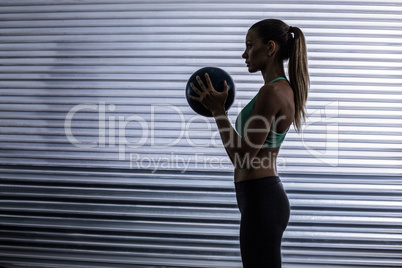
255	53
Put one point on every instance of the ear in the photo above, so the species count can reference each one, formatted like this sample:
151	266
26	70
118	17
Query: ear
271	48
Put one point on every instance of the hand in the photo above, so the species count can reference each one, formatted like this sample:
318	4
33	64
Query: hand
213	100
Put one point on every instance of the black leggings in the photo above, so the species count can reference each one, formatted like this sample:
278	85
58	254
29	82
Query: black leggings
265	211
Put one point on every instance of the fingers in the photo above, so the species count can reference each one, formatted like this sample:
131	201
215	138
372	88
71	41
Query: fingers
202	85
195	98
196	90
209	82
205	90
225	86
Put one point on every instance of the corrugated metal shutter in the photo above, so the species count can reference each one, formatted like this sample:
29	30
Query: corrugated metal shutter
92	94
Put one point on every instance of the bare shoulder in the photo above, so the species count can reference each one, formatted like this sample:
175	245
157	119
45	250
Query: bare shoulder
268	99
276	98
269	90
276	93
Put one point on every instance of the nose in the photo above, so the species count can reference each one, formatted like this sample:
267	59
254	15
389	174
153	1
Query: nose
244	55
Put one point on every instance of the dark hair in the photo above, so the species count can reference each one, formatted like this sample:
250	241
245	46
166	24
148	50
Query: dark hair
292	46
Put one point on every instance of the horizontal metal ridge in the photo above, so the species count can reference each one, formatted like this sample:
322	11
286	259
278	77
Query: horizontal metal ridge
230	6
352	217
207	250
299	259
127	258
117	176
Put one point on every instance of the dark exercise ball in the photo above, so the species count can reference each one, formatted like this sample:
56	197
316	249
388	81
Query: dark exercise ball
218	76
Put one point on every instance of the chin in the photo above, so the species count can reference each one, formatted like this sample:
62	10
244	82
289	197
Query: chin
251	70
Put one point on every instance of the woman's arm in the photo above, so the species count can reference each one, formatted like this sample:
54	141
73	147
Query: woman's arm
241	150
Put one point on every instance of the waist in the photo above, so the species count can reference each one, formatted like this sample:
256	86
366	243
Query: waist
257	183
253	174
263	165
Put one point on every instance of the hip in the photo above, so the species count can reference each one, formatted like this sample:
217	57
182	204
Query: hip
262	195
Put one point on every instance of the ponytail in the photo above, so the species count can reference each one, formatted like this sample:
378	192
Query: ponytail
298	76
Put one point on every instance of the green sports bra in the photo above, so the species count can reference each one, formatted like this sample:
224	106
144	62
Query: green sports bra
274	139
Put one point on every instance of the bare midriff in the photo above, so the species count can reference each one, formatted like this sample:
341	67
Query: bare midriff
262	165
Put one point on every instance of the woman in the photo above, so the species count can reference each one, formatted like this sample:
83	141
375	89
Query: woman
261	128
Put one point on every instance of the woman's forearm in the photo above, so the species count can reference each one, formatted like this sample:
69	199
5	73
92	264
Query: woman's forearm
230	139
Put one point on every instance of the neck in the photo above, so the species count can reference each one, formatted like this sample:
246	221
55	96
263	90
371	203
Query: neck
273	71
